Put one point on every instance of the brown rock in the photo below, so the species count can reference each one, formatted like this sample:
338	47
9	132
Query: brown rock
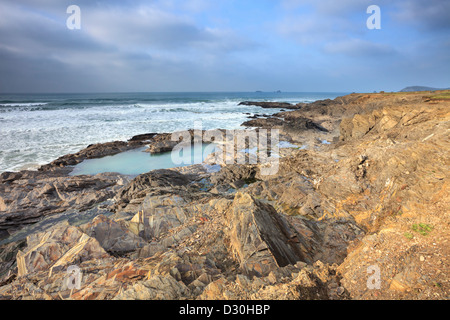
61	246
155	288
260	237
112	236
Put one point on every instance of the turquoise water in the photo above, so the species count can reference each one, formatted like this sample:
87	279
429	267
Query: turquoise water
135	162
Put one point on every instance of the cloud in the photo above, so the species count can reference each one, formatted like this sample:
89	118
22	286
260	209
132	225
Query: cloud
311	29
317	22
148	28
424	14
328	7
120	44
359	48
179	45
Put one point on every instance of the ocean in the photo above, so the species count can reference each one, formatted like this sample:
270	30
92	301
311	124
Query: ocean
35	129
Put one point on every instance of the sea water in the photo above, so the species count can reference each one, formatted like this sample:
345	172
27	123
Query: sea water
35	129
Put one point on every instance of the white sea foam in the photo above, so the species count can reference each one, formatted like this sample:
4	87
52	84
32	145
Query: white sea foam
22	104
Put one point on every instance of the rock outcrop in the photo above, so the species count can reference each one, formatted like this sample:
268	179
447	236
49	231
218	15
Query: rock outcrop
57	248
29	196
260	238
112	236
269	105
361	187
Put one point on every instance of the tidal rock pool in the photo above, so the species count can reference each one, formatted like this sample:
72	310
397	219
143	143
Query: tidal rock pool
135	162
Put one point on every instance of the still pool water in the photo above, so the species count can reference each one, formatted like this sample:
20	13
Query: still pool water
135	162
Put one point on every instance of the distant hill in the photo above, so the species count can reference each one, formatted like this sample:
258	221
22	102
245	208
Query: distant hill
421	88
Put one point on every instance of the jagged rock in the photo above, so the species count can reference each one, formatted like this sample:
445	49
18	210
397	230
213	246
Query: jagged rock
61	246
263	123
8	254
165	242
162	220
268	105
142	137
161	146
382	120
317	282
112	236
165	142
7	177
154	179
233	173
301	124
288	125
32	196
2	204
356	127
260	238
291	192
159	214
155	288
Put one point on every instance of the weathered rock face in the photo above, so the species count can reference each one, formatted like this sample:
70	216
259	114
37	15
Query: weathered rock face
155	288
260	238
287	125
8	254
59	247
159	179
263	123
302	282
163	142
112	236
383	120
159	215
269	105
232	173
304	208
31	196
156	179
142	137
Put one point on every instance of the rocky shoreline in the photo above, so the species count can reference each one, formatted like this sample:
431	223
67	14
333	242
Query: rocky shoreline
362	183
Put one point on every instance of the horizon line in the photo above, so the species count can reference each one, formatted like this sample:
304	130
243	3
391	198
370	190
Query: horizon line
168	92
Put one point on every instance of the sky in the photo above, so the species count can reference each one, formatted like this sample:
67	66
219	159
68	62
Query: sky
223	45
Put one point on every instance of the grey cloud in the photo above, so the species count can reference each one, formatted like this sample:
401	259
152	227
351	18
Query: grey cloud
119	48
150	28
359	48
140	24
39	34
424	14
330	7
